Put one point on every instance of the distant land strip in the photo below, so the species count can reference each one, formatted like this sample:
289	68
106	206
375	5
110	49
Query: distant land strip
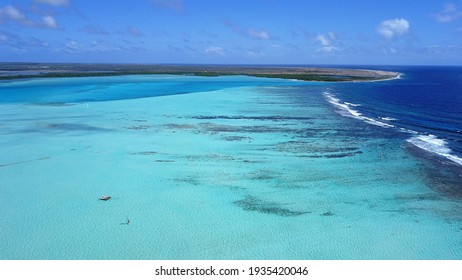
33	70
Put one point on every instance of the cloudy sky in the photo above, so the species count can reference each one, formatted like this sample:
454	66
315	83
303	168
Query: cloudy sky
392	32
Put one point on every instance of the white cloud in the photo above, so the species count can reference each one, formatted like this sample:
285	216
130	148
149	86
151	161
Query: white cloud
393	27
54	2
11	13
448	14
259	34
332	35
247	32
327	49
71	46
323	40
215	50
327	42
49	22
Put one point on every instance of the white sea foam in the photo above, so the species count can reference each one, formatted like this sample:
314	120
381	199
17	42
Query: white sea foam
433	144
387	119
429	143
408	131
346	110
352	104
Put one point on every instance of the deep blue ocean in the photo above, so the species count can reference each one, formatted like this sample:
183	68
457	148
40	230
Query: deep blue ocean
424	104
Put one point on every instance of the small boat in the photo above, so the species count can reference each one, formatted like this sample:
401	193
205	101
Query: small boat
105	198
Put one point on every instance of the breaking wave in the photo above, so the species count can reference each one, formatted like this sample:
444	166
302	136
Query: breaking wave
346	110
427	142
433	144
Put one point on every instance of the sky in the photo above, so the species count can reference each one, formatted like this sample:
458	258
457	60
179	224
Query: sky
354	32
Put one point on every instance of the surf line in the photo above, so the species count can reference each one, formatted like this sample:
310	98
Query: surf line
427	142
21	162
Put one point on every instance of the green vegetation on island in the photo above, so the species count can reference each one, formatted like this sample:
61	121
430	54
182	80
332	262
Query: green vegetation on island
33	70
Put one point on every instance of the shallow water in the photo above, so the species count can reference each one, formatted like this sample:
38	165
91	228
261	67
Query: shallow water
245	169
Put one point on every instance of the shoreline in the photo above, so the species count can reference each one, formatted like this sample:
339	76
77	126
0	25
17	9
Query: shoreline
310	74
398	76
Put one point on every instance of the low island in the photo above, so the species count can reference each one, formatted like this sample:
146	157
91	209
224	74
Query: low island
31	70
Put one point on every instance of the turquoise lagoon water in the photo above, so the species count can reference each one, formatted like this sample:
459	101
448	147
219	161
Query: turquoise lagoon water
212	168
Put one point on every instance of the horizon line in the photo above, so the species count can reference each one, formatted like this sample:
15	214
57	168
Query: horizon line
235	64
